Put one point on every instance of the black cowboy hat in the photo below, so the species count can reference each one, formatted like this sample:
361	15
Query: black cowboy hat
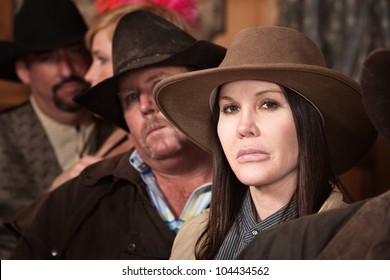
41	25
144	39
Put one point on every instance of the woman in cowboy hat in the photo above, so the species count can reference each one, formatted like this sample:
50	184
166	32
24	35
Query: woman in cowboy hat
358	231
281	125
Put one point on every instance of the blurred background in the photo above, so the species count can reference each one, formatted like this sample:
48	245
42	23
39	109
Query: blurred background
346	31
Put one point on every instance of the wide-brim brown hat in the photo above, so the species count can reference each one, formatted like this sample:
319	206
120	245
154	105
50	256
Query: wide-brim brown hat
286	57
143	39
375	84
41	25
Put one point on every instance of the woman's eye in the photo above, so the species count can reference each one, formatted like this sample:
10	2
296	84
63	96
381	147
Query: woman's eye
102	60
270	104
230	109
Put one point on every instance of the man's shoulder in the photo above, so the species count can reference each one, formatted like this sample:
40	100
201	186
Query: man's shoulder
19	118
80	194
20	125
95	181
24	108
76	201
117	167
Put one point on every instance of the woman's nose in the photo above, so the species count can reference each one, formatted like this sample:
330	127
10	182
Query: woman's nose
90	76
247	126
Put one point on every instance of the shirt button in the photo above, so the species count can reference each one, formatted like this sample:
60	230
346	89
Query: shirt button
254	232
54	253
131	247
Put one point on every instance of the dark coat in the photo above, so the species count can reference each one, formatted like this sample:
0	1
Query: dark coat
358	231
105	213
28	164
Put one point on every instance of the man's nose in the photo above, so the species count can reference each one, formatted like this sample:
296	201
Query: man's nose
146	103
65	64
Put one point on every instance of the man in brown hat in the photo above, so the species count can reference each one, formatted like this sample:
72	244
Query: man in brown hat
49	133
130	206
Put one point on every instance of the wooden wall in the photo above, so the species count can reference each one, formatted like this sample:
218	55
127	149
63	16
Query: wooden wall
11	93
240	14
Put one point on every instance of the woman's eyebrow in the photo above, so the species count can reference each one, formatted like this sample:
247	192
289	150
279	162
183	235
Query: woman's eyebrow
226	97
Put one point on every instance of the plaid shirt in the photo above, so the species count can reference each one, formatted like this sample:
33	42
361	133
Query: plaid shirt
198	201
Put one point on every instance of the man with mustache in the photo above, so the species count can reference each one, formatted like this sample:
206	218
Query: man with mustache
130	206
48	134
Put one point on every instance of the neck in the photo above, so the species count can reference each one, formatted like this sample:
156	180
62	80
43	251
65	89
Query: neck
268	199
60	116
184	172
178	176
187	180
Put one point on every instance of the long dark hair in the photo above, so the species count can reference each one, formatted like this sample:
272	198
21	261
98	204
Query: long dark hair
315	175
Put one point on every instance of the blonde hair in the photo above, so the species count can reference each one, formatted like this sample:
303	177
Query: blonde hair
110	19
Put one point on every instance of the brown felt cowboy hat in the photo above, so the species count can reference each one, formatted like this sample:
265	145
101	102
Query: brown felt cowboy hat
144	39
41	25
375	83
286	57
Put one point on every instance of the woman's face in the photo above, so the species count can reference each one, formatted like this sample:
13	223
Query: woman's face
101	67
257	132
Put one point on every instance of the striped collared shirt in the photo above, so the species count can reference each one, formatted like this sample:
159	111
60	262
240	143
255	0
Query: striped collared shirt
245	228
197	202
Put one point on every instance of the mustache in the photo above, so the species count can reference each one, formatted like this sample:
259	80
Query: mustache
153	123
76	79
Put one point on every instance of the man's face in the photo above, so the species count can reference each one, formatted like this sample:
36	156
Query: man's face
153	136
55	77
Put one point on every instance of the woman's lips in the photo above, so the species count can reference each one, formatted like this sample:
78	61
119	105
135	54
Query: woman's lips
248	155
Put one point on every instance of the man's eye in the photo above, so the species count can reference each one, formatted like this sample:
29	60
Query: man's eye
76	49
130	99
46	57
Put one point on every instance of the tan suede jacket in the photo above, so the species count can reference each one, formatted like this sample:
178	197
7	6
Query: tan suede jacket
184	244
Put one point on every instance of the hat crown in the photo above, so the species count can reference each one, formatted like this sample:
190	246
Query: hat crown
273	45
47	24
144	39
375	86
135	43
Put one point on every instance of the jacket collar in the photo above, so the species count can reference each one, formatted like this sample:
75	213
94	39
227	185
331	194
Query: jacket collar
118	167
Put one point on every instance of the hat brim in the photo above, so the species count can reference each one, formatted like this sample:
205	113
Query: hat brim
375	85
10	52
184	100
102	99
